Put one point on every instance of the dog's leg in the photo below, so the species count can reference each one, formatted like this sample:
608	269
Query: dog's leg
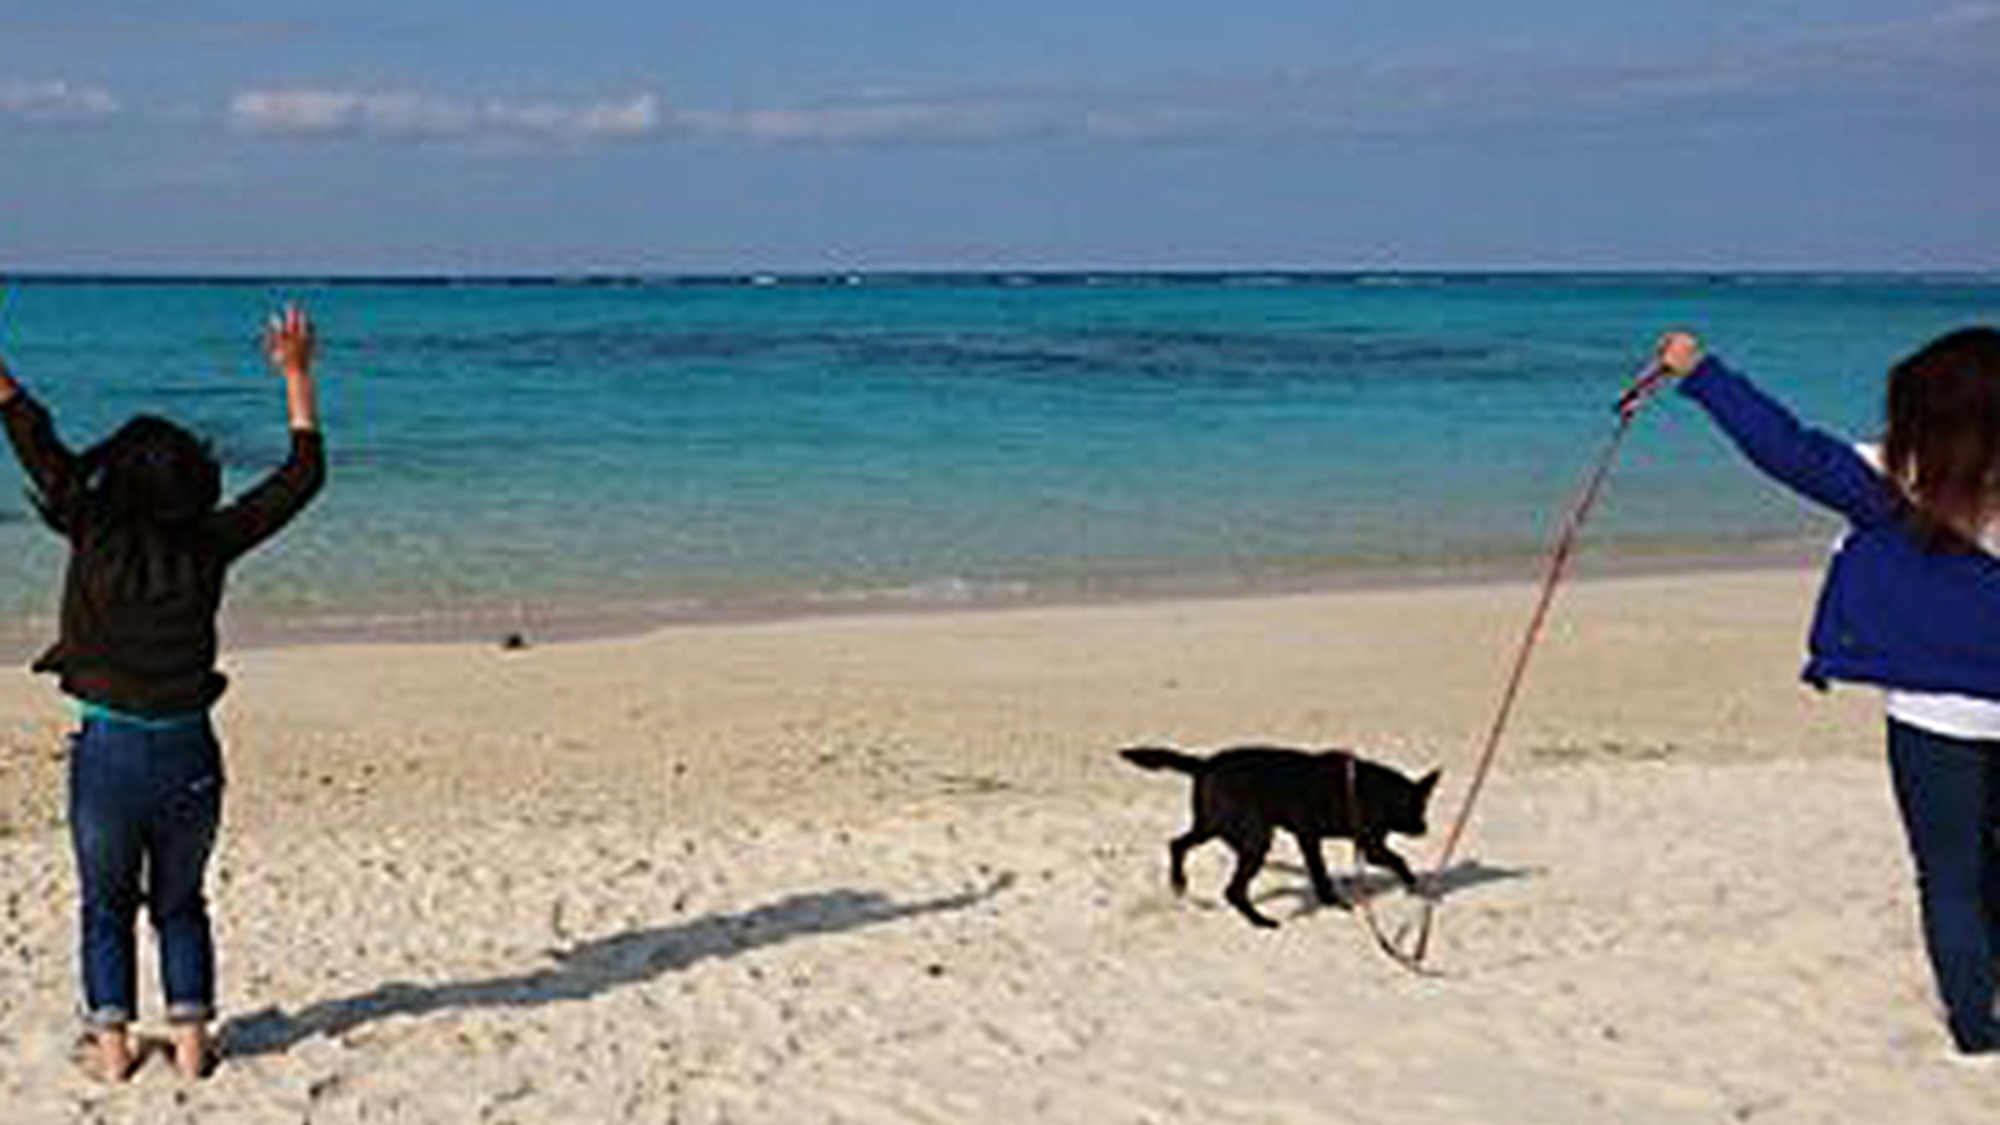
1251	846
1177	855
1309	847
1376	850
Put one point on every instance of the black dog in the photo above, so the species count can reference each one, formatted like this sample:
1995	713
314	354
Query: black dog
1242	794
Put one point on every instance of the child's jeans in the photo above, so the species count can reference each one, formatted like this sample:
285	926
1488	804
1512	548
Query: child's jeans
144	803
1949	793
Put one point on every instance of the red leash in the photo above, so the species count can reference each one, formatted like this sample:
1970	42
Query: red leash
1364	908
1635	397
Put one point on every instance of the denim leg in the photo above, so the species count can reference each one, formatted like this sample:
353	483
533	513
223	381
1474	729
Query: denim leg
1944	790
1991	838
180	837
107	834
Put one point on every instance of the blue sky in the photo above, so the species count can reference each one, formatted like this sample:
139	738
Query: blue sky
416	135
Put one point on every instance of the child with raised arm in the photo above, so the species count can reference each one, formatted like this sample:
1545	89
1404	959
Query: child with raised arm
150	544
1911	603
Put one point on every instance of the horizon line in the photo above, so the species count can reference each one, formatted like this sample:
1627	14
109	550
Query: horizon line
945	275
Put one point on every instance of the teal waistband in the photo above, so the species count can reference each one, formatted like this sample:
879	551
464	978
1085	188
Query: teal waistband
88	712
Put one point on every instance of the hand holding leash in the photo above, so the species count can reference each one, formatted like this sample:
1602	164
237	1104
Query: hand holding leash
1678	354
1675	356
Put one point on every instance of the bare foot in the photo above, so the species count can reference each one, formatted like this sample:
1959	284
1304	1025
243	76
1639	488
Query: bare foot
194	1052
106	1054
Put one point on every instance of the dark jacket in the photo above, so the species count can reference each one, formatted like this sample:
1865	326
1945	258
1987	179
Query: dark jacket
1890	611
140	637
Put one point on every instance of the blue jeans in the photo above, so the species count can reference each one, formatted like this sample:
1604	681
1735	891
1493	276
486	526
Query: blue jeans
1949	792
144	804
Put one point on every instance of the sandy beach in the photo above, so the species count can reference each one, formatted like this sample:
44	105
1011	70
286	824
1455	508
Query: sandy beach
889	869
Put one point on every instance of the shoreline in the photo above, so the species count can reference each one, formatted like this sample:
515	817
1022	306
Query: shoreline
585	621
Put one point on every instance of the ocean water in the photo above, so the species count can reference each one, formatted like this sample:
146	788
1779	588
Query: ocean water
543	451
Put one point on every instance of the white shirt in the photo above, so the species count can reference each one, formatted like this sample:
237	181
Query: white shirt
1954	716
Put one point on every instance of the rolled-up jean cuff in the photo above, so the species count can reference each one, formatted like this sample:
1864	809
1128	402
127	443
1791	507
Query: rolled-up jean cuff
107	1019
190	1013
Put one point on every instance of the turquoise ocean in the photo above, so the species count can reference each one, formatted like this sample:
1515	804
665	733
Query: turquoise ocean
555	453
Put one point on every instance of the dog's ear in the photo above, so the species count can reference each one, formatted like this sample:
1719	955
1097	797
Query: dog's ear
1429	781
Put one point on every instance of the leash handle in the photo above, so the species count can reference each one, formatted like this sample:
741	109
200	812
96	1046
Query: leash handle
1644	386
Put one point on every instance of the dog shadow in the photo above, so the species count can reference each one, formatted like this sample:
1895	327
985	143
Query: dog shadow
1460	876
593	967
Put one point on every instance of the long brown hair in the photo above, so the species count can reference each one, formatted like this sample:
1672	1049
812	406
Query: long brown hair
1943	444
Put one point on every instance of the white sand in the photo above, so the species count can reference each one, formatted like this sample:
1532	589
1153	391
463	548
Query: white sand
889	869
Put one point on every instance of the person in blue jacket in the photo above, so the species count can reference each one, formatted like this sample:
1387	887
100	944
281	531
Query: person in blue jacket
1911	604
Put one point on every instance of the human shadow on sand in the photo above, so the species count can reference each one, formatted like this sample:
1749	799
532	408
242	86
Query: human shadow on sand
594	967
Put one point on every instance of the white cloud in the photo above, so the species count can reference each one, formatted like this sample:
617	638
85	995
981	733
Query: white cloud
875	121
636	116
56	100
307	113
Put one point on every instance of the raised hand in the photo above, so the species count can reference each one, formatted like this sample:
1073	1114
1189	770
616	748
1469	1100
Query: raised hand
290	341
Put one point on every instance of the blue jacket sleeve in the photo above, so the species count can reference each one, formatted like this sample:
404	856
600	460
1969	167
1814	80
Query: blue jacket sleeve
1812	463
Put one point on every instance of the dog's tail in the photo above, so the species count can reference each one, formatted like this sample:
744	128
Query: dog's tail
1163	758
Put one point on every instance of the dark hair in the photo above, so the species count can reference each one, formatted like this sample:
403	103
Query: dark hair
1943	444
151	472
